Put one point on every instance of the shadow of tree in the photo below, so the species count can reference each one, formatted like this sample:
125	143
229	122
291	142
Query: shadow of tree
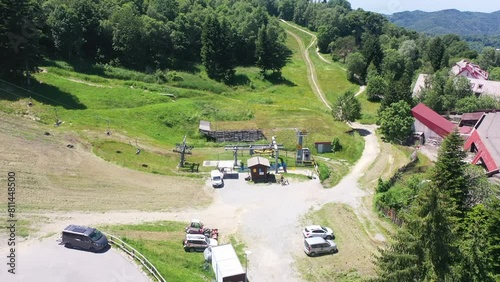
361	131
277	78
40	92
239	80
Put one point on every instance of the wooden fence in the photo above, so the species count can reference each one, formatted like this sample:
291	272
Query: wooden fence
137	256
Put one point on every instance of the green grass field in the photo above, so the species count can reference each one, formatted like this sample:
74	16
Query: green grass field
91	99
161	243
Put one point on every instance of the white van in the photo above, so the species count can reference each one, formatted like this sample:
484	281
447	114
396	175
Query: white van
317	245
216	178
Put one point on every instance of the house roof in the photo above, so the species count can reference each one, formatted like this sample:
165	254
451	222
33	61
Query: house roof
478	86
419	84
465	130
323	142
204	125
490	135
258	161
472	116
432	120
473	70
487	87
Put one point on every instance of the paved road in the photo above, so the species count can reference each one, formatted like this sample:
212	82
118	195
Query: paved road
45	260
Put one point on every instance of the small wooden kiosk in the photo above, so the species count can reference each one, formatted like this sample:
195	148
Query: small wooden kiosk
258	168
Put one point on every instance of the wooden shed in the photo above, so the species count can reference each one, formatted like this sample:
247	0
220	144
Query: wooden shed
258	168
323	147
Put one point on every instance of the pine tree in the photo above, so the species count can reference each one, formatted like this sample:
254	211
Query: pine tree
449	173
271	51
435	53
217	49
403	260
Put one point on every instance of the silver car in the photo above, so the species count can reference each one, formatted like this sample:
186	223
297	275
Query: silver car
318	231
317	245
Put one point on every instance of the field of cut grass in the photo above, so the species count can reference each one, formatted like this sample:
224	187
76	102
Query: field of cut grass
369	110
161	243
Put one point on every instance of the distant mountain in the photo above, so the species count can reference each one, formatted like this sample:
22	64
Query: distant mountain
450	21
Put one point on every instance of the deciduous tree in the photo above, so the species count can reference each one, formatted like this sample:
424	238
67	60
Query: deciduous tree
396	122
347	108
356	67
342	47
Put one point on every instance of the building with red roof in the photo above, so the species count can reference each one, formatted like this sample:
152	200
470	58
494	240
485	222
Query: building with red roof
481	130
484	142
430	124
469	70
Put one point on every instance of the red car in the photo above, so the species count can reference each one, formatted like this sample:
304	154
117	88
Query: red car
195	227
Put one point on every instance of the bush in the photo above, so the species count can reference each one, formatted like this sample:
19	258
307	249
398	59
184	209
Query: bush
324	171
383	186
336	146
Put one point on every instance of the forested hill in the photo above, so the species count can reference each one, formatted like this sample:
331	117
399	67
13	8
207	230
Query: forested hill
449	21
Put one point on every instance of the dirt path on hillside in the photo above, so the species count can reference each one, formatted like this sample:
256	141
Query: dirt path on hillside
312	77
349	191
311	71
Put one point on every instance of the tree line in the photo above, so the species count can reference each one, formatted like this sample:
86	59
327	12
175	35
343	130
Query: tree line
144	35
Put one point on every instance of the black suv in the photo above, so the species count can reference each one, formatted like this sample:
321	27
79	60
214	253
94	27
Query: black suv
85	238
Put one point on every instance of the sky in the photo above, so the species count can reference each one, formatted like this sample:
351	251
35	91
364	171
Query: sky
394	6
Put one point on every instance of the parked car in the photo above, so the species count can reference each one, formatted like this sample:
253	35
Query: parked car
318	231
216	178
316	245
195	227
198	242
85	238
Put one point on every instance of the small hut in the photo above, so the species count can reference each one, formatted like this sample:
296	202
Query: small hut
323	147
258	168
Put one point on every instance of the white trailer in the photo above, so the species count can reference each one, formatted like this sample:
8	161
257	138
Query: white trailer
226	265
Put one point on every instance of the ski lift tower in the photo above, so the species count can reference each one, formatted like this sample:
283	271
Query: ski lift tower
183	149
300	150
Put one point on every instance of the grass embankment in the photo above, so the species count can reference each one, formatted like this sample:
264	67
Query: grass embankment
161	243
398	190
92	99
353	261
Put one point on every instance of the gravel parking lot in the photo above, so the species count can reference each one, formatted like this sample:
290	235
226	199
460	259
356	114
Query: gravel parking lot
45	260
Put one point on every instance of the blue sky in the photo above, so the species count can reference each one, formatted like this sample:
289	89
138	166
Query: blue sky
393	6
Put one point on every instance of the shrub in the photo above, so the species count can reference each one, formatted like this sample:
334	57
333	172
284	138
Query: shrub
336	146
383	186
324	171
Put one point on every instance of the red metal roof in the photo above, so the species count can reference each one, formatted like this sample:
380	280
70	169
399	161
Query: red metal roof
323	142
432	120
472	116
465	129
482	152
